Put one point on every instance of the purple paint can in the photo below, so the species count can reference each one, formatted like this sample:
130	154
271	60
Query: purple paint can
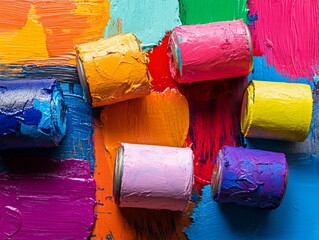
249	177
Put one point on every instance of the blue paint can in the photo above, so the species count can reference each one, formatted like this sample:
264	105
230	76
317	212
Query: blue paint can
32	114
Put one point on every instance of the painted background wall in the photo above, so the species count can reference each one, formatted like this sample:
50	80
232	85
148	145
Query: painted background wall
37	40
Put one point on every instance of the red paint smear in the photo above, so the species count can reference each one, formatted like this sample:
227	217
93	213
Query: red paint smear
159	67
286	32
214	111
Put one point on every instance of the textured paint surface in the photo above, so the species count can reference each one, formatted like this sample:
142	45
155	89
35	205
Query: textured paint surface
293	45
204	11
210	51
149	20
154	177
32	114
39	30
277	110
296	218
115	70
46	199
249	177
115	223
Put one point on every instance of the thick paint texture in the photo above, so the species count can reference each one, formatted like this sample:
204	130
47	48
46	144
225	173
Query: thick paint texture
41	30
42	198
296	218
149	20
210	51
154	177
32	114
114	70
113	222
293	45
249	177
205	11
275	110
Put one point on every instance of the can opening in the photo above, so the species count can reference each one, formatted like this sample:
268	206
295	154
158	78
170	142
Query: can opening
118	173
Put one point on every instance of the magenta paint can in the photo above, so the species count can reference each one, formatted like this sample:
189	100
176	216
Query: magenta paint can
153	177
210	51
249	177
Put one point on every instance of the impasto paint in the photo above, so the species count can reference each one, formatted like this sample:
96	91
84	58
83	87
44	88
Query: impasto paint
205	11
249	177
46	199
153	177
286	33
113	222
32	113
277	110
210	51
126	18
113	70
41	30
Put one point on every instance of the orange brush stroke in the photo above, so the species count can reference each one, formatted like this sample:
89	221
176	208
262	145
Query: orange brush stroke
160	119
64	22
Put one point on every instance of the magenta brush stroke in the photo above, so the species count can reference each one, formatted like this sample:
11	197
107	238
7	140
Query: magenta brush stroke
46	199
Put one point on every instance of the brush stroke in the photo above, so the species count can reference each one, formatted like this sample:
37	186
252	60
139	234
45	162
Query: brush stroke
149	20
294	219
205	11
292	47
41	30
47	200
115	223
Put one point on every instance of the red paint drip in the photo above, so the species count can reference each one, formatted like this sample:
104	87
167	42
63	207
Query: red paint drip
214	111
159	67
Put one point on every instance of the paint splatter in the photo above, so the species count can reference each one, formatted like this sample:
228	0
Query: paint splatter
205	11
41	198
293	45
149	20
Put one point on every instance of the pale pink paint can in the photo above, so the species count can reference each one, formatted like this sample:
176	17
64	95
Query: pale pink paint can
210	51
153	177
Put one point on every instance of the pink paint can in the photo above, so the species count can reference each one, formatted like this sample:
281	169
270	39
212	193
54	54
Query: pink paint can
210	51
153	177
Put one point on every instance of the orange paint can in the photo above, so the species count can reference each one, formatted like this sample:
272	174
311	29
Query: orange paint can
113	70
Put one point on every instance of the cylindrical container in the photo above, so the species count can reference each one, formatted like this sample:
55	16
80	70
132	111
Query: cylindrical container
32	114
153	177
249	177
113	70
210	51
276	110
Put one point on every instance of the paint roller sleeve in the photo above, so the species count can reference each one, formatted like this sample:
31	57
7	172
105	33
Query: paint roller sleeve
32	114
113	70
276	110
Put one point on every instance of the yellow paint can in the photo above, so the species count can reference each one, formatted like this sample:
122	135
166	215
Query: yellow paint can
276	110
113	70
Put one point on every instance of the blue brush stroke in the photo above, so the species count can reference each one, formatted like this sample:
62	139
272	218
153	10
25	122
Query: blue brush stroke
296	218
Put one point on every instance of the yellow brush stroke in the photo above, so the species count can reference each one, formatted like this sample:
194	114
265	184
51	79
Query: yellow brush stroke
277	110
29	42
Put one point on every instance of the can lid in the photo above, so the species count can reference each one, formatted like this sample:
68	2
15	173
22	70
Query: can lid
83	80
117	176
251	64
216	175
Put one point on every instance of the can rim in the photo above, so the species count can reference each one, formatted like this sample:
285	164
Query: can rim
83	80
250	44
118	173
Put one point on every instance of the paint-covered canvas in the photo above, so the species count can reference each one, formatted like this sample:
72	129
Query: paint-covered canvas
65	190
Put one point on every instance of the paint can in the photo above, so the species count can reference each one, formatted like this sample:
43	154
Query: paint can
153	177
113	70
210	51
249	177
276	110
32	114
